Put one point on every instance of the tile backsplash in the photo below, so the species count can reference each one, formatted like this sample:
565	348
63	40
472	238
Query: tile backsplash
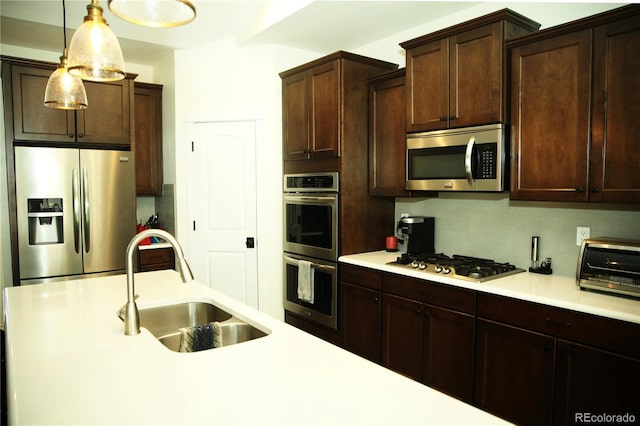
494	227
162	205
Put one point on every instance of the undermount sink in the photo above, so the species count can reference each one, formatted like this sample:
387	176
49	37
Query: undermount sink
164	322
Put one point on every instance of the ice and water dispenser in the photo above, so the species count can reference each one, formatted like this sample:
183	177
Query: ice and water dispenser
45	221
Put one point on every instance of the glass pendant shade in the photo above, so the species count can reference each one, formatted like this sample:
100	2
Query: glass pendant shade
154	13
94	51
65	91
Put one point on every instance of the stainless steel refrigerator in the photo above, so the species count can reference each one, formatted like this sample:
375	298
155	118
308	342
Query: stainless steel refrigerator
76	211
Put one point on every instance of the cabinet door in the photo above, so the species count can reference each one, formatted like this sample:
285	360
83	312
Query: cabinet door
32	121
387	146
402	330
107	119
148	139
590	381
514	373
295	117
615	153
428	86
324	105
475	72
449	351
550	118
360	321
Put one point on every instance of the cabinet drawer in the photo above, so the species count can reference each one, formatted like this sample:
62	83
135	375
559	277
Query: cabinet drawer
154	259
364	277
606	333
459	299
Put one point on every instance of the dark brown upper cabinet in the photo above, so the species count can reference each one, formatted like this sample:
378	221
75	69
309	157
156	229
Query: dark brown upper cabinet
148	142
456	77
324	111
387	146
575	96
107	121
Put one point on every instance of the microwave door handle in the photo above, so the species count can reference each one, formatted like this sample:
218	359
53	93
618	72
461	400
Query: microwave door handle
467	160
315	265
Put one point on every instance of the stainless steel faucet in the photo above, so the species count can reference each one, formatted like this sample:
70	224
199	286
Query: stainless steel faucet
131	316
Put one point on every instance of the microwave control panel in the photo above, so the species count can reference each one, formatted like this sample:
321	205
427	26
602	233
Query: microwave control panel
486	157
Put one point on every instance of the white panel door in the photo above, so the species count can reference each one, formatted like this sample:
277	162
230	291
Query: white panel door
222	207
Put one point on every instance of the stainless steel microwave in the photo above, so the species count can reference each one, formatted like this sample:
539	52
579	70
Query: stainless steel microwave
465	159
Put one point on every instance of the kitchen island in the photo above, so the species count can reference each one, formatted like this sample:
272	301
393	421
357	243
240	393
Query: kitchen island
69	362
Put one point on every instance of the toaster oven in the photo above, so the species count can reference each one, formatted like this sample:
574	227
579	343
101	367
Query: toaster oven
611	265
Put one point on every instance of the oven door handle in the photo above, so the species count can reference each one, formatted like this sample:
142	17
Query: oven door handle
313	264
307	198
467	160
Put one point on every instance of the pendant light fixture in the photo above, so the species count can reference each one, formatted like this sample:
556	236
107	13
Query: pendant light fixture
94	52
154	13
64	91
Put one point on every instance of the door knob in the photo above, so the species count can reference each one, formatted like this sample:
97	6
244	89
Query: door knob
251	243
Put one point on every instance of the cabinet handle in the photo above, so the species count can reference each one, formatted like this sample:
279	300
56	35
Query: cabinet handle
376	298
71	135
579	190
443	118
559	323
453	117
595	190
81	135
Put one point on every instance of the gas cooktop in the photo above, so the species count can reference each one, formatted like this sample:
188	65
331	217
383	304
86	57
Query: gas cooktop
457	266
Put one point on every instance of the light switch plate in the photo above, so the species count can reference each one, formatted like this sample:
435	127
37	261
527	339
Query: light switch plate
583	233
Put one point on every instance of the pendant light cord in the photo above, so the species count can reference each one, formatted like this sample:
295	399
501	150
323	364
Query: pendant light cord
64	24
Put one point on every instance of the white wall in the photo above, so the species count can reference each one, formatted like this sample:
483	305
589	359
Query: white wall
221	82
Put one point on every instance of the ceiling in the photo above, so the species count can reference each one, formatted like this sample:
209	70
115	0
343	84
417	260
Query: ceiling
316	25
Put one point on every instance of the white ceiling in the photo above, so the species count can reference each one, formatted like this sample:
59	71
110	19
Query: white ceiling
315	25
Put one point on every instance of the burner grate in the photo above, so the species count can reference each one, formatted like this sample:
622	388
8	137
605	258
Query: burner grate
458	266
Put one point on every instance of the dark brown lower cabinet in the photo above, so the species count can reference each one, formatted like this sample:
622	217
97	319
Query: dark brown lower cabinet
592	382
528	363
154	259
448	348
430	344
514	373
360	320
402	329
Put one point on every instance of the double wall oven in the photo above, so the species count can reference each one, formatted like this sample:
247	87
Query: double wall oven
311	246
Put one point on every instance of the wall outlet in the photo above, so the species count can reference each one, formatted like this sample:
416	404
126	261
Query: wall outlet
583	233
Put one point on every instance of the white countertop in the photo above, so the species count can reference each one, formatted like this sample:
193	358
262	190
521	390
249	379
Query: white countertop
551	290
69	362
153	246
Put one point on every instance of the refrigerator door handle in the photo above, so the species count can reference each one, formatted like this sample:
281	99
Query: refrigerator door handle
75	183
86	211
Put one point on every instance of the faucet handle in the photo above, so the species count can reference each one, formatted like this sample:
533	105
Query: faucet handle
123	307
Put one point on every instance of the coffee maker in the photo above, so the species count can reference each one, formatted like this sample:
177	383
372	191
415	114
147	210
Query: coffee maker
418	233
